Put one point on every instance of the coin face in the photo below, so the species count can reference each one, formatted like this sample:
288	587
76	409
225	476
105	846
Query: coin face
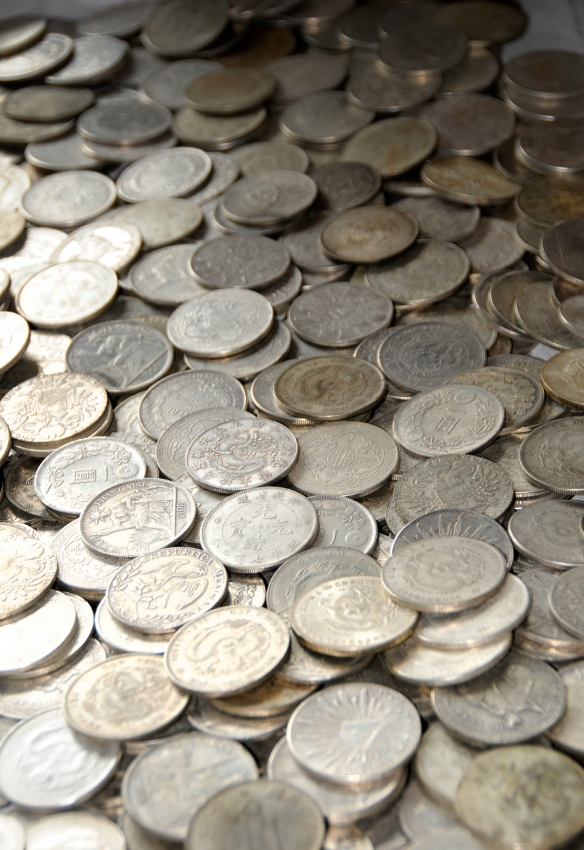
116	635
269	197
35	61
229	91
196	661
521	395
24	557
550	534
440	762
323	118
68	199
344	522
166	589
54	830
316	741
393	145
469	124
551	457
239	530
161	222
368	234
137	517
468	180
250	262
111	245
181	30
36	635
167	174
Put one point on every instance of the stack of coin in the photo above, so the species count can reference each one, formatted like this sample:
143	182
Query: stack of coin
544	85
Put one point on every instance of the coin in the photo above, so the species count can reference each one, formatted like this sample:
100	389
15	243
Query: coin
41	103
36	60
323	118
419	816
549	534
269	197
161	591
161	222
493	246
240	530
551	199
217	132
62	154
163	276
440	762
564	603
469	124
566	734
68	199
195	659
204	763
167	174
270	156
240	261
481	782
372	86
468	180
36	636
392	145
123	639
24	558
141	122
181	30
59	829
137	517
551	457
126	425
18	32
272	698
229	91
344	522
561	249
441	219
12	833
505	451
246	590
206	718
165	85
407	49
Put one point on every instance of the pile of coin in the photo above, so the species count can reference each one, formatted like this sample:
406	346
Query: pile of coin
291	356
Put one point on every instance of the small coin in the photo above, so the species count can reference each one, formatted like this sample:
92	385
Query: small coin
68	199
165	85
58	830
137	517
551	456
468	180
161	222
428	48
315	730
240	261
123	639
469	124
344	522
196	663
481	800
205	763
189	392
35	61
323	118
239	530
167	174
126	122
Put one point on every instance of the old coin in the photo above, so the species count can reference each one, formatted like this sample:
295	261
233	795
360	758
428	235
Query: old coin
223	818
247	365
441	219
549	534
540	627
19	475
263	396
35	61
167	174
274	155
440	762
57	830
217	132
79	569
18	32
181	30
540	318
44	764
246	590
14	338
469	124
561	249
493	246
462	482
372	86
196	660
368	234
63	154
304	74
125	122
12	225
137	517
571	313
322	470
420	816
161	222
521	395
323	118
229	91
240	530
561	376
68	199
95	58
140	699
428	48
468	180
206	718
551	149
190	392
126	425
547	201
551	457
164	590
111	245
114	634
482	802
316	740
304	245
565	605
417	663
343	185
505	451
423	356
269	197
12	833
35	637
164	276
251	262
42	103
344	522
273	698
165	85
476	72
204	764
567	733
24	557
220	323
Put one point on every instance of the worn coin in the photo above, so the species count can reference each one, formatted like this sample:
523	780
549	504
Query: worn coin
247	365
468	180
270	156
165	85
551	456
420	816
493	246
62	154
303	74
440	762
42	103
56	831
565	603
125	122
469	124
343	185
79	569
344	522
561	249
441	219
368	234
428	48
323	118
540	626
161	222
521	395
126	425
167	174
567	733
123	639
549	534
229	91
539	317
29	569
164	276
272	698
269	197
68	199
18	32
375	87
35	61
251	262
35	637
217	132
181	30
505	451
561	375
19	475
111	245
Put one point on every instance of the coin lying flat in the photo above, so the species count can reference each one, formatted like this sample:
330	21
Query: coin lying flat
36	636
565	606
35	61
145	699
165	85
343	185
482	802
41	103
247	365
181	30
567	733
549	534
240	261
468	180
240	530
79	569
123	639
408	50
68	199
561	376
323	118
196	661
392	145
57	830
161	222
269	197
551	456
368	234
125	122
167	174
344	522
469	124
62	154
230	90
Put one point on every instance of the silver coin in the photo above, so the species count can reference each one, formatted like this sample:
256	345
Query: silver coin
124	123
316	740
123	639
441	219
182	30
264	398
137	517
79	569
250	363
419	816
121	20
304	74
167	174
206	718
246	590
12	833
344	522
217	132
240	530
549	534
493	246
37	635
469	124
540	626
18	32
94	59
125	153
32	775
220	323
269	197
29	568
567	734
52	50
517	700
250	262
58	830
564	603
225	172
47	104
111	245
323	118
440	762
19	475
166	85
69	198
303	243
164	276
505	451
270	156
126	425
427	48
551	456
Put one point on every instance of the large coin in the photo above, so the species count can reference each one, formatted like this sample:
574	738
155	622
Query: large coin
257	530
68	199
322	468
555	805
317	741
552	456
166	589
137	517
279	809
196	659
250	262
549	534
123	698
368	234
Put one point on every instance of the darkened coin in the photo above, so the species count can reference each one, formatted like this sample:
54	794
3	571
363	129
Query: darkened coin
551	199
323	118
469	124
180	29
484	21
44	103
124	123
563	249
229	91
342	185
393	145
368	234
468	180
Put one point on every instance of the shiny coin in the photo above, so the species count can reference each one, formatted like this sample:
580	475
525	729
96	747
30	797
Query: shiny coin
34	637
561	249
521	395
246	590
165	85
95	58
250	262
344	522
551	456
323	118
123	639
145	699
420	816
469	124
428	48
24	557
567	733
540	626
54	783
12	833
217	132
322	470
52	50
181	30
229	91
272	698
18	32
221	323
269	197
167	174
414	662
189	392
79	569
64	154
114	246
481	800
440	219
126	425
206	763
161	222
191	582
42	103
468	180
55	831
195	660
127	122
245	366
239	531
315	730
474	418
68	199
368	234
164	276
136	518
549	534
462	482
564	600
206	718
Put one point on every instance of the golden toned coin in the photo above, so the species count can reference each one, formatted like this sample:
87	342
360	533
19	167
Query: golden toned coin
468	180
551	199
393	145
262	45
563	378
368	234
230	91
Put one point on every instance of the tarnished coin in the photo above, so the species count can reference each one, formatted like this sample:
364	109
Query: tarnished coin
182	30
42	103
343	185
339	314
482	798
220	323
424	356
565	603
269	197
469	124
561	376
18	32
455	523
68	199
35	637
479	625
344	522
440	762
189	392
322	468
270	156
123	639
29	568
257	530
229	91
493	246
462	482
329	388
250	262
368	234
270	699
247	365
45	764
196	660
315	731
417	663
538	316
204	763
373	86
240	454
125	122
571	313
393	145
161	222
350	616
164	590
567	734
35	61
552	199
137	517
468	180
448	420
323	118
263	396
521	395
303	242
217	132
140	700
19	476
164	276
167	174
552	456
440	219
561	249
306	73
58	830
549	534
165	85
